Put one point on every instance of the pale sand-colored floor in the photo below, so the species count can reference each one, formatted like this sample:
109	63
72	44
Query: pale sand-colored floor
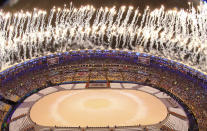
98	107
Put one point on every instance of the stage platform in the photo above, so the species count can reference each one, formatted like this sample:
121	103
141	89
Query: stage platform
122	105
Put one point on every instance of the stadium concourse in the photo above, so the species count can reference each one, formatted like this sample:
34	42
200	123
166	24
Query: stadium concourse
180	88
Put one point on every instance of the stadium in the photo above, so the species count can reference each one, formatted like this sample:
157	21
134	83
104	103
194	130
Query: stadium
103	69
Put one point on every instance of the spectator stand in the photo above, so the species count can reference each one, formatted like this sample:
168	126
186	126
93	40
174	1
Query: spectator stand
73	58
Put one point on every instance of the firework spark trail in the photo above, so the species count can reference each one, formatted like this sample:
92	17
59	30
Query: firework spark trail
178	35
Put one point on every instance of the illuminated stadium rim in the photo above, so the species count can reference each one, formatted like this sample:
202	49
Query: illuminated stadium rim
135	56
164	62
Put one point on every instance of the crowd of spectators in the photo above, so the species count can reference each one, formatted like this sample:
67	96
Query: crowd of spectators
108	67
189	92
4	108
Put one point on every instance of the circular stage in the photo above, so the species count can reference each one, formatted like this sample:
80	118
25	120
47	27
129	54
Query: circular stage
98	108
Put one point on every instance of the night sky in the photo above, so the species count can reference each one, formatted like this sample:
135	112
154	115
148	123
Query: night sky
28	5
